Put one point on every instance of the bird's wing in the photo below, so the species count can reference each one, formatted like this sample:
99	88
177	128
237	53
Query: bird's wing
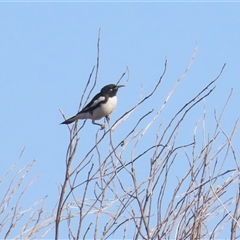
95	102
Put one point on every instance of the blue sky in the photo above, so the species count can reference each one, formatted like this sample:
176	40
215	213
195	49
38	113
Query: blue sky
48	49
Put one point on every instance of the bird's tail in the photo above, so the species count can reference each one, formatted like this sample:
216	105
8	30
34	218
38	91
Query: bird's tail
70	120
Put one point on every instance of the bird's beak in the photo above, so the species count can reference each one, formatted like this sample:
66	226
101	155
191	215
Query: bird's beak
119	86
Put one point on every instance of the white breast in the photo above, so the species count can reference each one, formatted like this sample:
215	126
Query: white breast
105	109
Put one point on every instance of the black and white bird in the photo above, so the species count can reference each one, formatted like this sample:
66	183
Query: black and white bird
102	105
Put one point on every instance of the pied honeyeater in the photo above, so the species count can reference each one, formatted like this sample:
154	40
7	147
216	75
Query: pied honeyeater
102	105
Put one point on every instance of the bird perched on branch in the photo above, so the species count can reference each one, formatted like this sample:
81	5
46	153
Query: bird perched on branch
102	105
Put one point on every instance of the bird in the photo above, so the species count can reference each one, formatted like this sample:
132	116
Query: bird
102	105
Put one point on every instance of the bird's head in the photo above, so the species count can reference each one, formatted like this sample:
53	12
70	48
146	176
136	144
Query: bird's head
111	89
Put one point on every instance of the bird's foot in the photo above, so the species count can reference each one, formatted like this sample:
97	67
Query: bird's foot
101	125
107	118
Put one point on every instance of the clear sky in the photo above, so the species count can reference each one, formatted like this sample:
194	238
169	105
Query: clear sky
47	51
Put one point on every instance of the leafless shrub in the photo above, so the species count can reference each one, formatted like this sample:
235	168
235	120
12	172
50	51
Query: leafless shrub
16	220
110	196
